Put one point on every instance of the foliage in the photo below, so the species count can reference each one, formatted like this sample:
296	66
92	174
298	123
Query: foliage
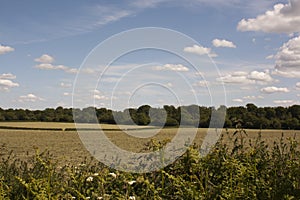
237	169
251	116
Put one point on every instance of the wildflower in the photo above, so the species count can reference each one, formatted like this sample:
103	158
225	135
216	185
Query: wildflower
73	197
87	197
89	179
113	175
131	182
96	174
132	197
99	198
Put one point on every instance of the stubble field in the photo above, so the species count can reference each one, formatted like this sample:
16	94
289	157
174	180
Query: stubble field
66	146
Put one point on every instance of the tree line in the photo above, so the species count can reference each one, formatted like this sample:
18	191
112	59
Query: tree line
249	116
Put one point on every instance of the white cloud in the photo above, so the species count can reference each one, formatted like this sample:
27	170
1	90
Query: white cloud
287	74
238	100
223	43
260	76
240	77
45	58
253	97
236	78
169	85
65	85
298	85
6	81
48	66
283	101
100	97
270	57
273	89
5	49
287	61
7	76
7	84
202	83
172	67
30	98
284	18
200	50
112	16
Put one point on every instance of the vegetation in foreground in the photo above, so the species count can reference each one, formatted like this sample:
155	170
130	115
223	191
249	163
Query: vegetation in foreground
243	170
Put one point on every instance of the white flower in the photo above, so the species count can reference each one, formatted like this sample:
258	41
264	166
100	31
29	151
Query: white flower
73	197
89	179
87	197
99	198
132	197
96	174
113	175
131	182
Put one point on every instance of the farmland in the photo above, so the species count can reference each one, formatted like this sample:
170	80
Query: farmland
67	147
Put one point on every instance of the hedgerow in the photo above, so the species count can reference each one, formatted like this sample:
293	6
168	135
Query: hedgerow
232	170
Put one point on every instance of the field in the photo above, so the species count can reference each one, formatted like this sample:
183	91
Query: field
67	147
233	170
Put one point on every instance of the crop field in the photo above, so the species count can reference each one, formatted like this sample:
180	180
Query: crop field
66	146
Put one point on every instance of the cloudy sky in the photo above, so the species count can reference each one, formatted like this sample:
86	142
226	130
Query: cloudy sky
246	51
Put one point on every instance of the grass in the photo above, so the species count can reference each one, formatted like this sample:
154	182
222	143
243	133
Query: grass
235	169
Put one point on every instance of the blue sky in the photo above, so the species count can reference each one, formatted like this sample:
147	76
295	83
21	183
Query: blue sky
255	45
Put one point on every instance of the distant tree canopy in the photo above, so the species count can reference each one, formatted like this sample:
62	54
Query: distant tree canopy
250	116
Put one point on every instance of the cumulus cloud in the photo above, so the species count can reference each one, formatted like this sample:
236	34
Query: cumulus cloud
252	97
172	67
238	100
100	97
298	85
45	58
200	50
284	18
7	76
273	89
5	49
236	78
283	101
260	76
202	83
287	74
287	59
240	77
223	43
46	64
30	98
6	81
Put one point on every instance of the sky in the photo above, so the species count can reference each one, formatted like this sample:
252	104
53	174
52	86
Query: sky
233	52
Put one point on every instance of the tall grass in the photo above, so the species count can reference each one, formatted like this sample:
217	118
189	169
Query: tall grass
240	170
